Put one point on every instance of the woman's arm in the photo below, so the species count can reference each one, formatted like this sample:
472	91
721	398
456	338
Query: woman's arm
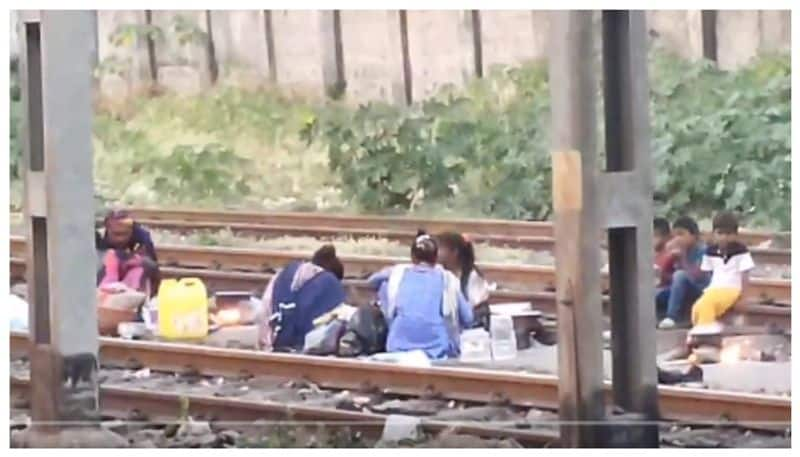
378	278
465	315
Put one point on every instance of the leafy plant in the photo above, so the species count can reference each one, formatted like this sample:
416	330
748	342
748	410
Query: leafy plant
15	140
191	172
720	140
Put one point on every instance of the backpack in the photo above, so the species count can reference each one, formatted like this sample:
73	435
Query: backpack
365	333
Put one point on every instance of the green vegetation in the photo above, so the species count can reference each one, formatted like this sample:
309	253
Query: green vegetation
719	140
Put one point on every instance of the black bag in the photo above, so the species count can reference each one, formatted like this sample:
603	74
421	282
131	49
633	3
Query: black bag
365	334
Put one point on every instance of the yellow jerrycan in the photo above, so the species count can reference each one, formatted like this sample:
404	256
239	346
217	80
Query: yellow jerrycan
182	309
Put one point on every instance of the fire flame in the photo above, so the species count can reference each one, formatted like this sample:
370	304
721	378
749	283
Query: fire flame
228	316
731	354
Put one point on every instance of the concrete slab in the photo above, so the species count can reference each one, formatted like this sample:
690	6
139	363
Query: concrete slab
744	376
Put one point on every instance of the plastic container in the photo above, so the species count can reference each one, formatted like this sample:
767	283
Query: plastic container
503	337
475	346
182	309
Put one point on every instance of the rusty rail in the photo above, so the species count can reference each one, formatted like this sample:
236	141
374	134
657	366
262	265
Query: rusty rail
163	406
539	243
343	222
519	277
480	385
359	292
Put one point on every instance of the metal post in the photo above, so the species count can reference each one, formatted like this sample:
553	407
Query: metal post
56	67
578	291
627	194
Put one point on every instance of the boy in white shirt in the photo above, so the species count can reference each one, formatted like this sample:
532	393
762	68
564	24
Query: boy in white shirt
729	261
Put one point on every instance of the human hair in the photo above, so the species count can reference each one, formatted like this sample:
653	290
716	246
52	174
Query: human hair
424	248
326	258
465	252
661	226
688	224
726	222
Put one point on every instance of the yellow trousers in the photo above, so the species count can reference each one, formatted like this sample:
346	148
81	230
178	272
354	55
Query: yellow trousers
714	303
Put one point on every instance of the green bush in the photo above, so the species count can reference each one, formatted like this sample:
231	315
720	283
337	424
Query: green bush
723	140
720	140
483	150
15	115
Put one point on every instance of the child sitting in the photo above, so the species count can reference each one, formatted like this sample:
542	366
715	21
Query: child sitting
689	279
664	260
729	261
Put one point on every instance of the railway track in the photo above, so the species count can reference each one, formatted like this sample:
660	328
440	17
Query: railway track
528	235
359	292
464	384
516	277
162	406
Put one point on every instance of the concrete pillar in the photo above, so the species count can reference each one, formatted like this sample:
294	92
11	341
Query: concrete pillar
373	58
122	53
678	31
240	45
182	57
57	55
513	37
738	37
441	50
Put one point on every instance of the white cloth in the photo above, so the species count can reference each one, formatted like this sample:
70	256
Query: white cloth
727	274
477	289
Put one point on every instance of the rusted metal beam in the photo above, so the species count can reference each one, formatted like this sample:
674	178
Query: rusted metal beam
628	217
578	282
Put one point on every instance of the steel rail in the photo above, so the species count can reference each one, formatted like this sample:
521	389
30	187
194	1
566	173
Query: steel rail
485	227
520	277
164	406
772	256
480	385
359	292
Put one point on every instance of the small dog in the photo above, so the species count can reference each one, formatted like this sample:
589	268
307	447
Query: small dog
79	367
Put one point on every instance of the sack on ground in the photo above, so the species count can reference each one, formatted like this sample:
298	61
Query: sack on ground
366	333
324	339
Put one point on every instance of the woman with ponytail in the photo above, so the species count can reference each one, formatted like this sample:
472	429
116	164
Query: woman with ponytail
422	303
457	254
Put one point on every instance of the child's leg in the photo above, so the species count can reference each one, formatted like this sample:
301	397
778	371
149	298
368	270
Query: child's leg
713	304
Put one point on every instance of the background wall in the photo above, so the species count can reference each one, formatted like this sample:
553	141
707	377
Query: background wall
373	55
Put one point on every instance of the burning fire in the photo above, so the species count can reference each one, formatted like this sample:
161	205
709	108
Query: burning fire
230	316
731	354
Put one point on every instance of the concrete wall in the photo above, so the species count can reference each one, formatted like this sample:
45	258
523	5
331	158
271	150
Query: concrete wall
370	59
441	50
373	60
513	37
678	30
299	50
182	67
131	55
240	47
741	35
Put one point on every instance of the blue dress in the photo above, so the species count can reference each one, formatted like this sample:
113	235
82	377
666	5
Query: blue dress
417	321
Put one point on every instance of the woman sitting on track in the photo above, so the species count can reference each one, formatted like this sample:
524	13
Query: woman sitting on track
457	255
298	294
422	303
128	253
